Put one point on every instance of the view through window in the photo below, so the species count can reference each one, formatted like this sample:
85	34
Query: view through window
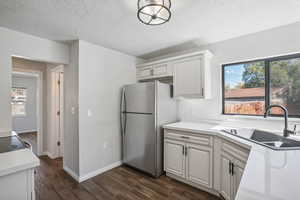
18	101
251	86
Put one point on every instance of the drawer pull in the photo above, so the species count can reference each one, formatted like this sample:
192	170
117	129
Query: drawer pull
185	137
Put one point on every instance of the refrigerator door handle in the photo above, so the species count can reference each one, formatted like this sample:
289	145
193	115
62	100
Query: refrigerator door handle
122	120
125	115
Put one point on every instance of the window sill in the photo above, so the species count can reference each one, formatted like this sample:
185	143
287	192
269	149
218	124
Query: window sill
291	119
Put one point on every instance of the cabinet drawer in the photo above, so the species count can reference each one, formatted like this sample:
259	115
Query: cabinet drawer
189	137
235	150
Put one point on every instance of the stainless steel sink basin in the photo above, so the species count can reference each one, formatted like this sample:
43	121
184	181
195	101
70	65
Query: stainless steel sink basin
268	139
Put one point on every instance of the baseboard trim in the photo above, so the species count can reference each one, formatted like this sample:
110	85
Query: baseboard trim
71	173
99	171
50	155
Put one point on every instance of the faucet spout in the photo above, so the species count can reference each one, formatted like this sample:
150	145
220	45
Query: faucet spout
286	132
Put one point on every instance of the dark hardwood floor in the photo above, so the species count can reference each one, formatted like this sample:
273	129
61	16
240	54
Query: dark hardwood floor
121	183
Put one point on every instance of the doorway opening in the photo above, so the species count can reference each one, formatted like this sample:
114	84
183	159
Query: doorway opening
24	104
37	108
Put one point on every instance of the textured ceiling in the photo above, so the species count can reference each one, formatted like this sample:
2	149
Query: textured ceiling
113	23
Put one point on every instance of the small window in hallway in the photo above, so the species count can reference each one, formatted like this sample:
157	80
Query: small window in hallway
18	101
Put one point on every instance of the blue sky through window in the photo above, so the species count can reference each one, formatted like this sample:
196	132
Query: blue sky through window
234	75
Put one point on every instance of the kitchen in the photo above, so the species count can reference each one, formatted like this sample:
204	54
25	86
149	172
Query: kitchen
197	151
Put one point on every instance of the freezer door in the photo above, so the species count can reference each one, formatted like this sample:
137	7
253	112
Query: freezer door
139	142
140	98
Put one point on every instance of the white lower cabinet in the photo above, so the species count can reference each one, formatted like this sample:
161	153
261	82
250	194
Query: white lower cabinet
199	164
17	186
189	161
232	164
238	170
174	161
225	177
214	165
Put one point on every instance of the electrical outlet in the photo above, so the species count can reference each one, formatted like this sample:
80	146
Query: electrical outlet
73	110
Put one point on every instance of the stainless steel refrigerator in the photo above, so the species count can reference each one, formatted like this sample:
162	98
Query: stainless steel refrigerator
145	107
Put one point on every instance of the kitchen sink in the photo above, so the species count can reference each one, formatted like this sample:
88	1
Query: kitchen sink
264	138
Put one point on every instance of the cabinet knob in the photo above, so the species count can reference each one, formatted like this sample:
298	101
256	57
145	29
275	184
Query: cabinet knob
152	72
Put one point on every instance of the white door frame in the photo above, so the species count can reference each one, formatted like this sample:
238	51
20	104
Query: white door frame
57	104
39	98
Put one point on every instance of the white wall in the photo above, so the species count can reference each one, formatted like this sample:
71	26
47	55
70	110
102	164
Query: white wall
16	43
102	73
71	137
278	41
28	122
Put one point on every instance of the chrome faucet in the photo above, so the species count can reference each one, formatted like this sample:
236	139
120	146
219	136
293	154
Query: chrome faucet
286	132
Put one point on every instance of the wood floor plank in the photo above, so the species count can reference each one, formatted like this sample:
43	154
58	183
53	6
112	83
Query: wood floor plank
121	183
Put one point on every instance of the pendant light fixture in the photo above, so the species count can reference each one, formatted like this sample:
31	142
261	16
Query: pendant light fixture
154	12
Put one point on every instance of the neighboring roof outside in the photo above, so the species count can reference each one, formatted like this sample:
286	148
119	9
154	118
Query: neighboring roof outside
248	92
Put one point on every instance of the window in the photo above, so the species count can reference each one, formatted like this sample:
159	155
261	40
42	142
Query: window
18	101
249	87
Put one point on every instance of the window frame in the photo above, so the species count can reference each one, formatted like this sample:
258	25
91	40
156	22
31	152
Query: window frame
267	62
25	104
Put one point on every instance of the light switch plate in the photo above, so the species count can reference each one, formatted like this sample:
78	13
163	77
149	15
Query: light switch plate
89	113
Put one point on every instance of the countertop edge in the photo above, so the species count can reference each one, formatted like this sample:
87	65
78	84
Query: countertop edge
19	168
15	161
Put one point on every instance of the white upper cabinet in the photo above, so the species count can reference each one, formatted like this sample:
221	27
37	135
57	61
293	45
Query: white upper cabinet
188	77
190	72
144	73
154	71
162	70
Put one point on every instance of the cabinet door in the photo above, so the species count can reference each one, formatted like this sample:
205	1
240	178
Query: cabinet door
15	186
199	164
188	78
174	161
143	73
225	177
160	70
238	171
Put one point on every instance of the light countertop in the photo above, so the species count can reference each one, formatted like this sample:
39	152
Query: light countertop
19	160
269	174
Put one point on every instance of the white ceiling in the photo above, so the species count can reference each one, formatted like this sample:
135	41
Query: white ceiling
113	23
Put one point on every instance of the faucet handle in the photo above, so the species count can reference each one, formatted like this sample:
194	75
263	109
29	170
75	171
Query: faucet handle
295	128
